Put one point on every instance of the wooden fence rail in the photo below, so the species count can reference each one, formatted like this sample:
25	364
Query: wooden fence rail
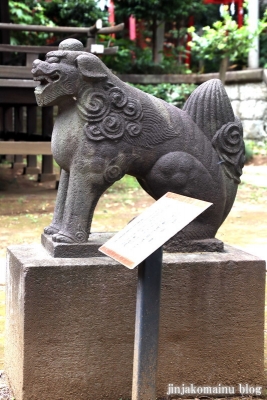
17	100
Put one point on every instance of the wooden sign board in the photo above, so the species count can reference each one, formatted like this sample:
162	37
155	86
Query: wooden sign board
151	229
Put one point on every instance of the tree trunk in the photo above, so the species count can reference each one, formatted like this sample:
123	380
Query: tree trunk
223	68
159	43
154	39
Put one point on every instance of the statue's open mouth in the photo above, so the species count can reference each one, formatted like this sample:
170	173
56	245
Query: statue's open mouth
45	80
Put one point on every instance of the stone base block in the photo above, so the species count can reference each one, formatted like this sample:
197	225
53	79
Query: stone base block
70	323
90	249
76	250
194	246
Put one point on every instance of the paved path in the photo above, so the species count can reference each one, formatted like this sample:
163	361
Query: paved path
253	175
2	271
256	176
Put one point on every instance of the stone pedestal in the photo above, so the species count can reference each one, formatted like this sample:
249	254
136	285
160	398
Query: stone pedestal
70	323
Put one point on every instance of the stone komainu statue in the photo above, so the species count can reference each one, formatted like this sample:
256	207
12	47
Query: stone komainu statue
106	129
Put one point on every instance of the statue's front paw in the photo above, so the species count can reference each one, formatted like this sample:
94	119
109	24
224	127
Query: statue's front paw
50	230
68	237
60	238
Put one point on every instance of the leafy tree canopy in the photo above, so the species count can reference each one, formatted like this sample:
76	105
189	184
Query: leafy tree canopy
225	38
56	12
29	12
160	10
73	12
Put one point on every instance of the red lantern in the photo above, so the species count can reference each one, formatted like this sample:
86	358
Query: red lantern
239	4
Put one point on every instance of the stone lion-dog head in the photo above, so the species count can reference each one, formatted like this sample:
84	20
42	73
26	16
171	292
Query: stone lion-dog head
65	71
107	111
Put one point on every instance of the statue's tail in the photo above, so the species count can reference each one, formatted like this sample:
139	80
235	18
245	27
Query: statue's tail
210	108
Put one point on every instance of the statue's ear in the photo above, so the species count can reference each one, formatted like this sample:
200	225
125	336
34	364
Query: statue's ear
90	67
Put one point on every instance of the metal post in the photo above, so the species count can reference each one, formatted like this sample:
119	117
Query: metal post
147	327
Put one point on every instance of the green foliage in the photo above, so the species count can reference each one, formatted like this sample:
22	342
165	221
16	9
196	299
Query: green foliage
127	56
30	12
263	39
154	12
208	14
172	93
255	148
159	10
248	151
174	63
73	12
131	59
125	184
56	12
263	50
224	39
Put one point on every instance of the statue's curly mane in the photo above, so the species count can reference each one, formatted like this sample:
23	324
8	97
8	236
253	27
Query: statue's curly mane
109	113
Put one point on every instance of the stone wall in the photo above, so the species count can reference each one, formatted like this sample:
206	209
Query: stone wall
247	90
249	101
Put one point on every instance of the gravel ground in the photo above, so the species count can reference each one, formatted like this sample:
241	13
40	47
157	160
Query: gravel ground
253	175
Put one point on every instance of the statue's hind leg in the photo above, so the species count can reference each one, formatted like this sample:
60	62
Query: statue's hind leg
181	173
196	236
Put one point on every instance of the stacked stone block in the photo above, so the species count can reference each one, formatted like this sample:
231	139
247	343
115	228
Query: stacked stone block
249	102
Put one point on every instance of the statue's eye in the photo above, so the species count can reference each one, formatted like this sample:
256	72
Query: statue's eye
53	60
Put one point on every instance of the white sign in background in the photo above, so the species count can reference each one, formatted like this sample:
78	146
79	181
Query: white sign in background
97	48
151	229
